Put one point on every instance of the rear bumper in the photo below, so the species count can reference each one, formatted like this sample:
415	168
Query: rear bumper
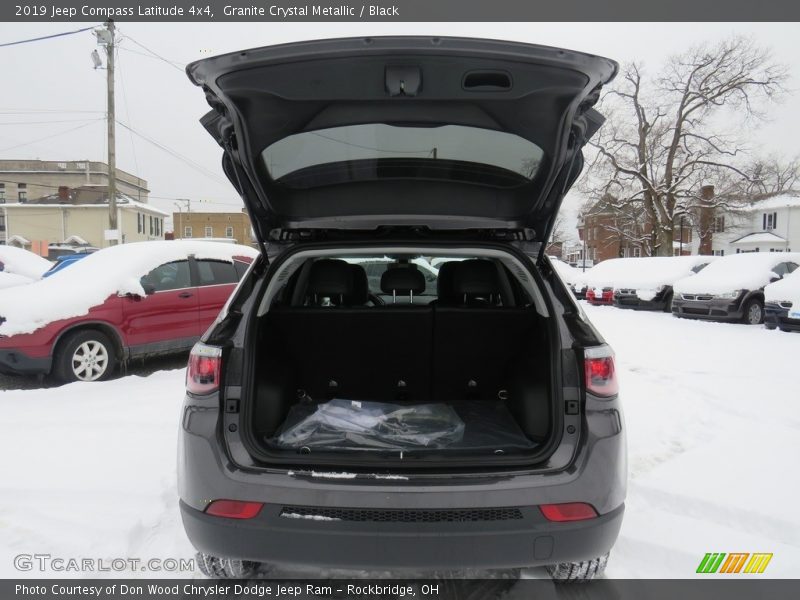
14	362
527	541
777	316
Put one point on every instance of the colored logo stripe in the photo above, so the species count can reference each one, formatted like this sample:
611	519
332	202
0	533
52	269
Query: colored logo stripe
758	563
735	562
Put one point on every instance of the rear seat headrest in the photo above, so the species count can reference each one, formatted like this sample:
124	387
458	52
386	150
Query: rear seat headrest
445	282
402	281
476	277
330	278
359	293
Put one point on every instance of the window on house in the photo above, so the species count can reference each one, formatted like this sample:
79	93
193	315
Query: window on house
637	252
138	222
22	192
209	231
2	222
718	252
187	232
2	193
229	232
770	221
718	225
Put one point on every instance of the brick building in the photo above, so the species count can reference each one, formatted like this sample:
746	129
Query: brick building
227	225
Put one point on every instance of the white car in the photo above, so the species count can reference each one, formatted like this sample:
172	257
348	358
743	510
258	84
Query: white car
20	267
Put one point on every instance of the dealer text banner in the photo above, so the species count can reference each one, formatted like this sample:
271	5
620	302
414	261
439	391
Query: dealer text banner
401	10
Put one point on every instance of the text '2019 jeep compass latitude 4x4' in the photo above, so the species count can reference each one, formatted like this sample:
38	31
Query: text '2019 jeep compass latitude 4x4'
401	380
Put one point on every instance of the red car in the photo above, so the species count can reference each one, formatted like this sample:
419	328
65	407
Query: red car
599	296
122	302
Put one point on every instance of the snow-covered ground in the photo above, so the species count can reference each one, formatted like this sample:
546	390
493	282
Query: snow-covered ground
88	469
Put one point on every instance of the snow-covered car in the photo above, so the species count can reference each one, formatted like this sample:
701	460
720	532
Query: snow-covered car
126	301
570	275
646	283
732	287
19	266
782	303
597	283
394	423
63	261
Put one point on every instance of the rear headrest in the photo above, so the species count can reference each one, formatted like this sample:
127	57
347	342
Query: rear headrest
476	277
402	281
330	277
445	282
359	294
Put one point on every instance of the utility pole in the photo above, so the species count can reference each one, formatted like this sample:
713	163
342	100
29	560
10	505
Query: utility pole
105	37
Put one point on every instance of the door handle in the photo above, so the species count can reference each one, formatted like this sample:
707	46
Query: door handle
185	295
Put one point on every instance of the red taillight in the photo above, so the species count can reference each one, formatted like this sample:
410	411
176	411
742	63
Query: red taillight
570	511
202	374
234	509
601	375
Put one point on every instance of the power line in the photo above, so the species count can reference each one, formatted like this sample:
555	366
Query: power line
196	166
45	37
42	122
127	111
47	137
38	111
172	63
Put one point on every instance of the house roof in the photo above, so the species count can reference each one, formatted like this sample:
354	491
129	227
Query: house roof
763	237
779	201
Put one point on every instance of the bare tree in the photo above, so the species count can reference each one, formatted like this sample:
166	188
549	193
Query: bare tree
662	144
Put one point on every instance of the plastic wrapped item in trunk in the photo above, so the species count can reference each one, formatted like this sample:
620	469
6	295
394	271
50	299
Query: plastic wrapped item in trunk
352	424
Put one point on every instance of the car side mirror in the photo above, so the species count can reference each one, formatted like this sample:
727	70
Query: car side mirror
775	278
149	288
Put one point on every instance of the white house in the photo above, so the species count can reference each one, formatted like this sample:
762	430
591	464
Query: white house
770	225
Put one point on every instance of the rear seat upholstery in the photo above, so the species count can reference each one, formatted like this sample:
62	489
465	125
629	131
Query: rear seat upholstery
403	352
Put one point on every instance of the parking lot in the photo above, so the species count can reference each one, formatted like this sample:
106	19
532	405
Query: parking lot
713	433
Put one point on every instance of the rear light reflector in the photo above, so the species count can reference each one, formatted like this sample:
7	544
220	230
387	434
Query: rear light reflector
601	373
234	509
202	374
571	511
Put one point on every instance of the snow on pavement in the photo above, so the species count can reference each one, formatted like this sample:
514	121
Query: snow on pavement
713	434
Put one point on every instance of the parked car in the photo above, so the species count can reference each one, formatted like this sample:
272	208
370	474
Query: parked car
63	261
597	283
732	287
55	251
19	266
121	302
646	283
499	437
782	303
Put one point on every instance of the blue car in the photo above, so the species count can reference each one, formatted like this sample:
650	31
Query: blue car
63	261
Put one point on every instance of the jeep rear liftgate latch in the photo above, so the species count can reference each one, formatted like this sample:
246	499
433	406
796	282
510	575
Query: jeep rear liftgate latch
403	81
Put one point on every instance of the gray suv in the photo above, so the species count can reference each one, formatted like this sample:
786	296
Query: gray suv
404	416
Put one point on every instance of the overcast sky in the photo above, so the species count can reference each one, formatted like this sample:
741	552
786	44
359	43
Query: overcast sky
46	85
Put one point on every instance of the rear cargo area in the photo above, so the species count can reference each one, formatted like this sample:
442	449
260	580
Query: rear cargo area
402	379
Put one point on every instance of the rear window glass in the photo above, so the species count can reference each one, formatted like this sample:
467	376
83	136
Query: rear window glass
371	142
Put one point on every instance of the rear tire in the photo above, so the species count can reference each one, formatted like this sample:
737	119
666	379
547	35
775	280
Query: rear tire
753	313
85	355
585	570
217	567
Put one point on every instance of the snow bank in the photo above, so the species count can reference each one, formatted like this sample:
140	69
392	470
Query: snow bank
88	282
645	273
22	262
787	288
747	271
